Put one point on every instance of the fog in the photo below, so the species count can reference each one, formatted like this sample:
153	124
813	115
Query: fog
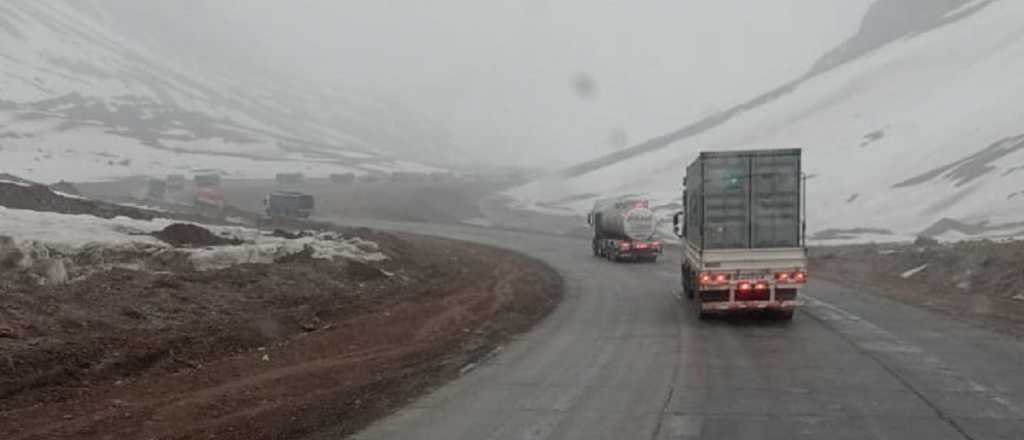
533	82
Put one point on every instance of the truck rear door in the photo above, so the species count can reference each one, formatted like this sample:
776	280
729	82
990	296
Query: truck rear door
727	202
775	201
751	200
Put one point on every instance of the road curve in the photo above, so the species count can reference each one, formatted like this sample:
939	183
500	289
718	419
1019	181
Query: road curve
624	358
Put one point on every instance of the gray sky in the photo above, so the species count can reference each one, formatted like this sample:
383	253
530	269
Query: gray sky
500	75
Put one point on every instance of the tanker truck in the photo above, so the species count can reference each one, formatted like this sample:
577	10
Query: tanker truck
624	230
742	232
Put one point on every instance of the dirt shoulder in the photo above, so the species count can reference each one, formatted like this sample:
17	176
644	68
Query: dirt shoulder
257	351
980	282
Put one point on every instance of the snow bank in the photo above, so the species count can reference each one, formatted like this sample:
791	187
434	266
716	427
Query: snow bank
73	231
266	249
125	242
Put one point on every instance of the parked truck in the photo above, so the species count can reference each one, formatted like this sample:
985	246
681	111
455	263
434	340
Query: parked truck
290	178
209	201
289	204
624	229
176	182
345	178
743	232
156	190
207	180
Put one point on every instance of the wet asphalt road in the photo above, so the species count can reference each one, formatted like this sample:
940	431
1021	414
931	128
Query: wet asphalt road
623	357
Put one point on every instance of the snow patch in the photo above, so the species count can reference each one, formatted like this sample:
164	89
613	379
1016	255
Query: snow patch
68	196
913	271
11	182
266	250
52	235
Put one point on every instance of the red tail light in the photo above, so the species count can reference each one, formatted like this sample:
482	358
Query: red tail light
743	287
760	286
708	278
641	245
791	277
624	246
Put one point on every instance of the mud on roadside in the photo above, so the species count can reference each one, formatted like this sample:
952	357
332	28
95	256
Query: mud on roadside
981	282
283	350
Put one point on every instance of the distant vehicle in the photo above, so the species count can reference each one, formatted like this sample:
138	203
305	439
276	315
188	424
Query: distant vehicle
343	178
207	180
624	230
210	200
743	232
289	204
176	182
156	190
290	178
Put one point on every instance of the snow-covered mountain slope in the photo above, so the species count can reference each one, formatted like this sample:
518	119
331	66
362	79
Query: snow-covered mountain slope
79	101
921	132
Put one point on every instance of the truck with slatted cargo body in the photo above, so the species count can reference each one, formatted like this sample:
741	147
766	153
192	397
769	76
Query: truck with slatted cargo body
743	232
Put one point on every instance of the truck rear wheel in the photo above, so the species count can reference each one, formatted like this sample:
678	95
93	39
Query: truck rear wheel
687	285
698	305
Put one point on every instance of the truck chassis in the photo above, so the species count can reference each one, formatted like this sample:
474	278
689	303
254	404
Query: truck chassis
627	250
725	281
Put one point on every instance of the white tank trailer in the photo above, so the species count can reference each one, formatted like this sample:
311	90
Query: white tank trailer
624	230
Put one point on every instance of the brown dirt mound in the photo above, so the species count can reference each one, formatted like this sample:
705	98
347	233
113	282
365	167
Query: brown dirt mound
189	235
974	281
40	198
